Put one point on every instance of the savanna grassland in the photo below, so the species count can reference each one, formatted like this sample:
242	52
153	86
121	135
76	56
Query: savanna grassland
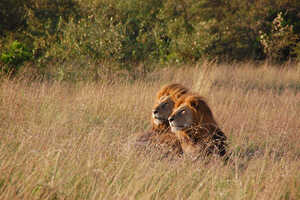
74	140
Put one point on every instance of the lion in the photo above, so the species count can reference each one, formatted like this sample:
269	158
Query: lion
160	134
193	123
165	102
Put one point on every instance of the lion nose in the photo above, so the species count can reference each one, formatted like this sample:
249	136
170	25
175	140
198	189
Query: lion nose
171	119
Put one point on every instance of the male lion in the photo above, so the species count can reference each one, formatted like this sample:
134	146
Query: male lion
193	123
160	134
165	102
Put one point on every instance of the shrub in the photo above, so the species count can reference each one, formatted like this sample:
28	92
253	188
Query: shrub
12	15
280	41
16	54
133	33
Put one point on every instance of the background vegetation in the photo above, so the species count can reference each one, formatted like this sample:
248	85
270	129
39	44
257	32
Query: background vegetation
60	140
74	141
84	39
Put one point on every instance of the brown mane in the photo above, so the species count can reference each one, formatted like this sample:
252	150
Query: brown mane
175	90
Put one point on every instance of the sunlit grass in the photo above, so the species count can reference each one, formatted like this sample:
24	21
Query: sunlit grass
73	141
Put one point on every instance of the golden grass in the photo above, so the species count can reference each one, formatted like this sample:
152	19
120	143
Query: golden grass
72	141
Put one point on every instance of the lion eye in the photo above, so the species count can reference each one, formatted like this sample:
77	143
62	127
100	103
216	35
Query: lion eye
183	112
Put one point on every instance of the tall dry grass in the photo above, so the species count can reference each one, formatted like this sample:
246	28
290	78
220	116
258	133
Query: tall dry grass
72	141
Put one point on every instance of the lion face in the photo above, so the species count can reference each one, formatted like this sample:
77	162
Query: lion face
162	110
181	119
190	111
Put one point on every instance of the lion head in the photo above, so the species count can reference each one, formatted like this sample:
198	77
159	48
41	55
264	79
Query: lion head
160	136
193	123
190	111
165	102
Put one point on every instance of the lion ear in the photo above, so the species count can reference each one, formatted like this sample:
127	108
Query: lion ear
195	103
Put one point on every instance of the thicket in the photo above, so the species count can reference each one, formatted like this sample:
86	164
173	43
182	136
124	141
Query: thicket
64	38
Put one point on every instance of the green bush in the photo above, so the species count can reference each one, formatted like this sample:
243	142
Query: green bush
16	54
281	39
91	34
119	32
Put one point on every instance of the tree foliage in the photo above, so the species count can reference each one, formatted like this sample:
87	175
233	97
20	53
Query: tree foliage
127	33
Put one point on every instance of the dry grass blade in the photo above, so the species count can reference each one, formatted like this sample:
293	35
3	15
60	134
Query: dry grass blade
70	141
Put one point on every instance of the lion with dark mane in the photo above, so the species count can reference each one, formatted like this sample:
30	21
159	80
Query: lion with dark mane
160	134
193	123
